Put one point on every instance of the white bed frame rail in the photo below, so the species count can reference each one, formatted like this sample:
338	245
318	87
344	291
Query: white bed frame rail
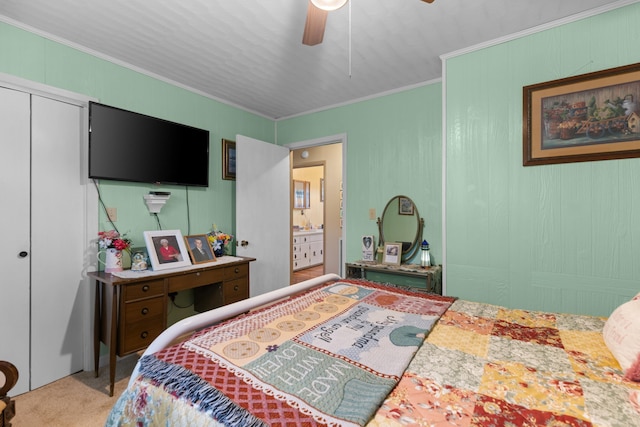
207	318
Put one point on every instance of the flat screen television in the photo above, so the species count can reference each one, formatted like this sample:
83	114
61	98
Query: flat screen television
128	146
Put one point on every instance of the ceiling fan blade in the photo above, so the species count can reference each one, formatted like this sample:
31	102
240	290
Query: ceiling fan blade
314	26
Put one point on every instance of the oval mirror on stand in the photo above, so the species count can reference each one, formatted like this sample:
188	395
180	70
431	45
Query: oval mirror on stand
401	223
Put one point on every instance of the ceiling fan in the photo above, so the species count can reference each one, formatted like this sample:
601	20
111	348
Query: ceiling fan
317	12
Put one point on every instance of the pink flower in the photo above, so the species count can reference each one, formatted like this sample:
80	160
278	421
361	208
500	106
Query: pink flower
112	239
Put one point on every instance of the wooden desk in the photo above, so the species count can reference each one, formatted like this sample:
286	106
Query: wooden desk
412	275
132	312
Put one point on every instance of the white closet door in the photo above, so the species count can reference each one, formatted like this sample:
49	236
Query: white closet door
57	246
14	229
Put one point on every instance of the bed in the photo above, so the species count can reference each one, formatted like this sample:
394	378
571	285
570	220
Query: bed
347	352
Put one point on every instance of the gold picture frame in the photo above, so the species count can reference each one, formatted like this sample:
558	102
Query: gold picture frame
593	116
392	254
200	249
228	160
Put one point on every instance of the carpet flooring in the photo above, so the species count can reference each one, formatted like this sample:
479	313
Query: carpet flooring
79	400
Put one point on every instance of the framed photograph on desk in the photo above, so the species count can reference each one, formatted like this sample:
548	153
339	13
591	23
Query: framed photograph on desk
392	253
166	249
200	249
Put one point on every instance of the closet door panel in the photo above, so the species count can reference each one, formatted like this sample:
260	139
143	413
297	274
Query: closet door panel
14	228
58	222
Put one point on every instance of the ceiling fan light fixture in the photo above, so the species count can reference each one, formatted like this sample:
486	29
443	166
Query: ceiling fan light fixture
329	5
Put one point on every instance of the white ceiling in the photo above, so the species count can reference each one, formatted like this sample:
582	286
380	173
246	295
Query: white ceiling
249	53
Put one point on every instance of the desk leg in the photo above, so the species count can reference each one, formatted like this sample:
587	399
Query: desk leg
97	321
112	339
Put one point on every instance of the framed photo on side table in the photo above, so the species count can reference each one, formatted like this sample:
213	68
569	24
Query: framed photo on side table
200	249
392	253
166	249
228	160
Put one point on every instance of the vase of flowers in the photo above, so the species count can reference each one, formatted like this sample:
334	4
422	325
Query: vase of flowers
219	241
111	244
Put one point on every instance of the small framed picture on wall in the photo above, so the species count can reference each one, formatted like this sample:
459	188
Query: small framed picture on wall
405	206
228	160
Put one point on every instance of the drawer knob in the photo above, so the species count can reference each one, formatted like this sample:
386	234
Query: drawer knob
145	288
236	288
144	311
144	335
237	270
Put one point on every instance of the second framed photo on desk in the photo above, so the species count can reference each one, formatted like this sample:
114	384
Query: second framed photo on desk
200	249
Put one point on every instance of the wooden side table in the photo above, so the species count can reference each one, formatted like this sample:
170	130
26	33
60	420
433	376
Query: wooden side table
412	275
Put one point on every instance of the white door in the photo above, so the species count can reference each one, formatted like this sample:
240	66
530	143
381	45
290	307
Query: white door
57	246
42	224
15	135
263	212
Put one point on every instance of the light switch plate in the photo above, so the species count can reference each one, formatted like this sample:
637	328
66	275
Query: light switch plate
372	213
112	214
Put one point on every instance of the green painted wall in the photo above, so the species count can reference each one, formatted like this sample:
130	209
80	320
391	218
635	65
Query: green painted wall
394	146
558	237
38	59
562	237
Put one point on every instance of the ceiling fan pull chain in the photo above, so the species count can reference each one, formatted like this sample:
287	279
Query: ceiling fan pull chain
349	39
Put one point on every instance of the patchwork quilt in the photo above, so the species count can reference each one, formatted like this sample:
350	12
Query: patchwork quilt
327	357
485	365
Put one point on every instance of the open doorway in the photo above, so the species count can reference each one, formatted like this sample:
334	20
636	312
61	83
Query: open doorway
307	219
317	227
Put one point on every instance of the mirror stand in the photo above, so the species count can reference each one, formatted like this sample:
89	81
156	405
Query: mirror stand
401	223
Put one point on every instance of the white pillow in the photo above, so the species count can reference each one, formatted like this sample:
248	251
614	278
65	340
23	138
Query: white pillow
621	334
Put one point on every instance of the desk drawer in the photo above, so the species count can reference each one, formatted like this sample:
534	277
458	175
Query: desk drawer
139	335
143	290
193	280
144	309
236	271
235	290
